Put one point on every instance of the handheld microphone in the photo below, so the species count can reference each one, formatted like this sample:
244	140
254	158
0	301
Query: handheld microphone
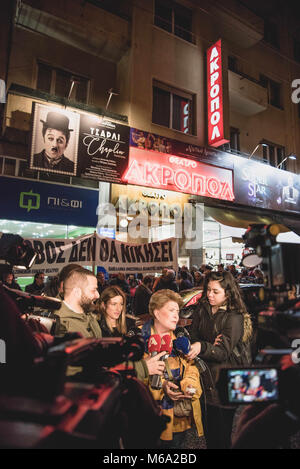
182	344
166	346
154	344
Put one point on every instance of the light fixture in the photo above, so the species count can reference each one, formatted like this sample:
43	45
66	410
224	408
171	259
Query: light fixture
251	260
123	223
257	146
111	93
290	157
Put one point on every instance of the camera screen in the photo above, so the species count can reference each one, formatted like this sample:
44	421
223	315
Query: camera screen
253	385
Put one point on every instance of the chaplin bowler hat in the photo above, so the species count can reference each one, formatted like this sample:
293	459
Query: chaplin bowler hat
57	121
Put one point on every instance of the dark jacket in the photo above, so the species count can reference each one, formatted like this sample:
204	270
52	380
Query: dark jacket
141	300
185	285
121	284
207	326
35	289
40	160
106	332
166	284
139	366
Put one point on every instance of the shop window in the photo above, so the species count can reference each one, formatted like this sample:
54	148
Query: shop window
1	164
274	91
271	33
174	18
58	82
173	108
274	154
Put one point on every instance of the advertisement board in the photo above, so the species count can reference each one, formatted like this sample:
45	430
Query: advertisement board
78	144
40	202
171	172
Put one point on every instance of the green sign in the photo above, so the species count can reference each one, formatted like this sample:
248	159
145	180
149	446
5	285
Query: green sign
30	200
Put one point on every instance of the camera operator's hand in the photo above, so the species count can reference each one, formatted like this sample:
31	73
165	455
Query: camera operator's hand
173	391
155	365
195	350
263	428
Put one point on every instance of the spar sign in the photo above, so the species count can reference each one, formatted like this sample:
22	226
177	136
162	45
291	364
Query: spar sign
215	96
93	250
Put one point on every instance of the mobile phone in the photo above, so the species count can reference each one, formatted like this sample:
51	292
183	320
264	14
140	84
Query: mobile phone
240	386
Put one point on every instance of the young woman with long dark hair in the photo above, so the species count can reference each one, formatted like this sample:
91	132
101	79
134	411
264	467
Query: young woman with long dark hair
220	334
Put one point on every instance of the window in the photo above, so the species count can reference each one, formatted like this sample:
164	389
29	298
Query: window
56	81
232	64
271	34
274	91
297	50
174	18
234	139
274	154
173	108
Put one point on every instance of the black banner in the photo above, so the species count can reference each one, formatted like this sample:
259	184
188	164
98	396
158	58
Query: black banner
103	149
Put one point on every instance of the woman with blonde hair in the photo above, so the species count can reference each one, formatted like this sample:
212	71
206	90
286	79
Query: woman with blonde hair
112	313
114	323
180	388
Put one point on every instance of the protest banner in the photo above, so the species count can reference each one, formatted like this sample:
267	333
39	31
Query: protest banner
94	250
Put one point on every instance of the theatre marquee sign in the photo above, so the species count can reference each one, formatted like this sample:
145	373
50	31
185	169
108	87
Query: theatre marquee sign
169	172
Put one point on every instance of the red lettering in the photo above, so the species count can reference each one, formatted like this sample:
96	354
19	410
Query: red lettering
150	176
166	175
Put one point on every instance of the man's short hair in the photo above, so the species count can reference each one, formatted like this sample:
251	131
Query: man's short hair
77	278
66	271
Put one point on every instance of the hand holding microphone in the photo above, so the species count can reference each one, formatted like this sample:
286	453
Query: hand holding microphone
154	365
183	345
165	351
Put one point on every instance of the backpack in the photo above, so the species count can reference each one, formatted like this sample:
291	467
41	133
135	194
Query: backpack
241	354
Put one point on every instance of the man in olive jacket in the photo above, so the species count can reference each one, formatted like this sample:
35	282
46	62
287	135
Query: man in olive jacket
80	290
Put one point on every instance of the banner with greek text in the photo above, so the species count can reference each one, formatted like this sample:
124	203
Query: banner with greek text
93	250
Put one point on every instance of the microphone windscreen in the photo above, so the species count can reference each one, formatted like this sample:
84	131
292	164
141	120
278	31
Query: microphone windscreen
166	344
182	344
154	343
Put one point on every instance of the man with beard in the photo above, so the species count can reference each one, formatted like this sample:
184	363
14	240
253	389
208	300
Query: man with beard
80	290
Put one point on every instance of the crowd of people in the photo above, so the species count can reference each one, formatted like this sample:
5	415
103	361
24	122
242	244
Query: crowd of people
220	335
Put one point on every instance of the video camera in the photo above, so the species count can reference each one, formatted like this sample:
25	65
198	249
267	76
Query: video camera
69	392
268	381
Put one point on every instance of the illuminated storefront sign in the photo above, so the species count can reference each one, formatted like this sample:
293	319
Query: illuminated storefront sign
215	96
171	172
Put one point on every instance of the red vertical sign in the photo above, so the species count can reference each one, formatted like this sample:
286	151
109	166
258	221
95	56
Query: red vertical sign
215	96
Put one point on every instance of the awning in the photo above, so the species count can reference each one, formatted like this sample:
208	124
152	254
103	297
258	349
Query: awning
241	219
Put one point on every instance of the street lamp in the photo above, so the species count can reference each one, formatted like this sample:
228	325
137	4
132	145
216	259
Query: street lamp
290	157
257	146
